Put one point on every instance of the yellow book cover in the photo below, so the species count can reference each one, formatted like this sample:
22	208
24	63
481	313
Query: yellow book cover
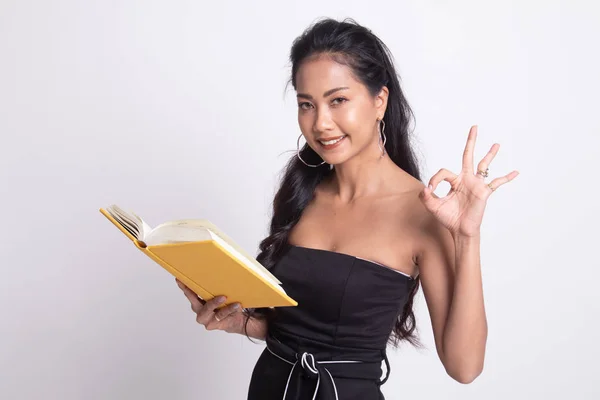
203	258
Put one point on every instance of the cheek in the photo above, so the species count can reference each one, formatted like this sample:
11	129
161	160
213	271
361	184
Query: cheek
352	121
305	123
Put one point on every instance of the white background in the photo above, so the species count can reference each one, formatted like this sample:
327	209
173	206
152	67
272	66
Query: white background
178	109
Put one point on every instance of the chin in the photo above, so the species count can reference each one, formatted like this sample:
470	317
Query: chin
336	156
336	160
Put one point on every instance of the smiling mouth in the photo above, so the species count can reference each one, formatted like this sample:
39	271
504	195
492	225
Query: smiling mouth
331	143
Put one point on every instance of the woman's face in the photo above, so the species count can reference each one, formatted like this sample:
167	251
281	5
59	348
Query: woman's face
336	113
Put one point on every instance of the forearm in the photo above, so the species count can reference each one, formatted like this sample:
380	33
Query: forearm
465	333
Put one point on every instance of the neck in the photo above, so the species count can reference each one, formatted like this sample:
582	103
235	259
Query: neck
363	175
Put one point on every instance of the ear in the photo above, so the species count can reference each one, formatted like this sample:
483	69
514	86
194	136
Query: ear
381	101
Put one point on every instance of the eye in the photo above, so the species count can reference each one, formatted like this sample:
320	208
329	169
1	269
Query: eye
305	105
339	100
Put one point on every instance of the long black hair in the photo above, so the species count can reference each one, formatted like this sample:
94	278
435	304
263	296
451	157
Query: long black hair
370	60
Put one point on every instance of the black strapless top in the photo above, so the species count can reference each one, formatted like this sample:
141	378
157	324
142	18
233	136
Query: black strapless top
347	308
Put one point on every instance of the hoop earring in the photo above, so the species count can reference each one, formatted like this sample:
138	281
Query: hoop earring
298	154
381	133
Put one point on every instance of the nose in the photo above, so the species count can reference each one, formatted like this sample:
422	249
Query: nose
322	122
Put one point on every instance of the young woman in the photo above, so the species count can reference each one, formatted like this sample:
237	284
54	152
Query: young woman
354	233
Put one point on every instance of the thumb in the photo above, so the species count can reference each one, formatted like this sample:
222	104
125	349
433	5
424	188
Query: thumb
426	195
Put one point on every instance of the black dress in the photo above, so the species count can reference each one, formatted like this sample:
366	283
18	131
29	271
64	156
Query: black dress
331	346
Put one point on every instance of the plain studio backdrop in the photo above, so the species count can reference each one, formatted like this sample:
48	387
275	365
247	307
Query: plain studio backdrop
179	109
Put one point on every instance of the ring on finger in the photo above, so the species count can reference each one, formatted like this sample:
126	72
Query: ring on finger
484	173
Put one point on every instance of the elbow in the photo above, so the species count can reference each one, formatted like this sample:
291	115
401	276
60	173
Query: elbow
465	378
465	375
465	372
464	367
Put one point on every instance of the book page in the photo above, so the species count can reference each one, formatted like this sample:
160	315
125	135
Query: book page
145	229
176	232
127	221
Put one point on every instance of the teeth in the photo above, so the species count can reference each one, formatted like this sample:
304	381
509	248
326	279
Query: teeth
327	143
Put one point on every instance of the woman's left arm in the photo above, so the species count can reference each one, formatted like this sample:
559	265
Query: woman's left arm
450	273
449	262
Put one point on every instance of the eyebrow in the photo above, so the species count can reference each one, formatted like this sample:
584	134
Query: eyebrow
327	93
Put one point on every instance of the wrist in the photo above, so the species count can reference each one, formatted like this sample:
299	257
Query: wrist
460	238
253	327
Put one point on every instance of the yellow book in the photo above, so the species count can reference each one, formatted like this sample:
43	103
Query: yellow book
203	258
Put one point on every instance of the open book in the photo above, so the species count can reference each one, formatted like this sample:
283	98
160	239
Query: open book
204	258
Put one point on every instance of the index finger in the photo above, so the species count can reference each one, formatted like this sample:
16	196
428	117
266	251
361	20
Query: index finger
192	296
469	148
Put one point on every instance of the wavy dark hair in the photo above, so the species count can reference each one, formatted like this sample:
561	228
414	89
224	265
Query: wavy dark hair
371	62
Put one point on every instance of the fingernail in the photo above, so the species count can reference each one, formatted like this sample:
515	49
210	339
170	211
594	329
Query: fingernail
236	306
220	299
